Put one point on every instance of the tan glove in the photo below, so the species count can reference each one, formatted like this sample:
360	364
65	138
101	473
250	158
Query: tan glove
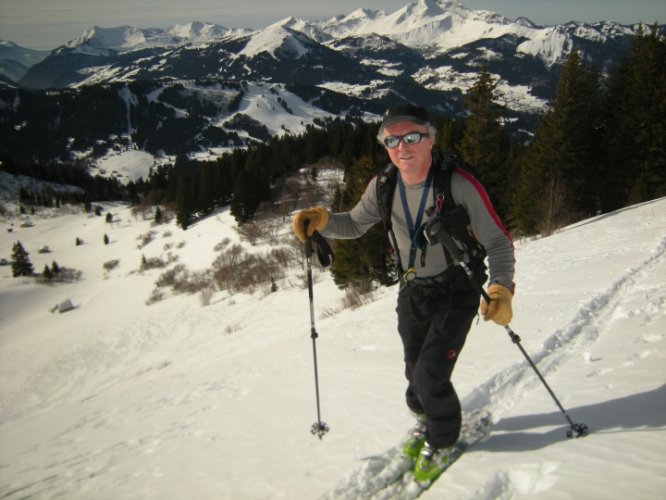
499	310
318	217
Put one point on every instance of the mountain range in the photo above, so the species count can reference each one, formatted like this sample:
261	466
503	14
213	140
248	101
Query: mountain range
225	87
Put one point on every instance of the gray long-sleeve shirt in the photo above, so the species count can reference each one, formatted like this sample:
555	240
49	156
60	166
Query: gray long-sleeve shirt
467	192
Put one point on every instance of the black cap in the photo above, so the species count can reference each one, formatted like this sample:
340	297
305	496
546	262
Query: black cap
405	113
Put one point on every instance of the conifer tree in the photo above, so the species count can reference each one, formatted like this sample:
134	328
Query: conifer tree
485	143
253	185
449	134
559	178
185	200
21	265
636	126
360	261
206	197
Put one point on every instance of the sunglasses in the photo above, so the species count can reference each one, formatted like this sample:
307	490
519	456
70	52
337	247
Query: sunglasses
410	139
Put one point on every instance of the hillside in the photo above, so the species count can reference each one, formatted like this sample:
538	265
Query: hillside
120	400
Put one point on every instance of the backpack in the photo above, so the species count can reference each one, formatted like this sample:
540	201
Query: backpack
455	217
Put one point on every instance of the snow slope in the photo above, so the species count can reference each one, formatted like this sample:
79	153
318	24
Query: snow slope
119	400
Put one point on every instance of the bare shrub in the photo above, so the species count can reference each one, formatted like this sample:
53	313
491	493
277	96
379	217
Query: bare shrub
282	256
251	231
157	295
352	299
148	263
62	275
234	327
222	244
144	239
329	312
110	265
296	253
206	295
306	191
236	271
172	276
143	210
68	275
555	207
197	281
357	295
181	280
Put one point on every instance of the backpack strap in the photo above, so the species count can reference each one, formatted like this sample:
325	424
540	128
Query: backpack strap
386	183
445	163
454	217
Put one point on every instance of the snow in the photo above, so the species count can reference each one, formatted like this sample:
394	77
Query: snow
348	89
98	40
426	25
117	399
551	44
261	101
272	38
446	78
11	185
442	26
126	166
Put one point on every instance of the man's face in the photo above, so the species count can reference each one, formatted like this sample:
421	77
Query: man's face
413	160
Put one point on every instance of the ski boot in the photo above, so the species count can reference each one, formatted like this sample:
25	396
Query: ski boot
429	463
413	444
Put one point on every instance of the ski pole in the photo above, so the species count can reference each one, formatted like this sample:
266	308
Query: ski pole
319	428
436	232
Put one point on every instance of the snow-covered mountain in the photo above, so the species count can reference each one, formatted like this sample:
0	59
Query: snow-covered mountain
428	52
124	400
432	27
104	41
15	60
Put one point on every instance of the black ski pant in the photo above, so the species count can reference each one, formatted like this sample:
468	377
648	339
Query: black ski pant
434	317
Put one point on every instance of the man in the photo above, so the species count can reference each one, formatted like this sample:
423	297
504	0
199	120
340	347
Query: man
437	301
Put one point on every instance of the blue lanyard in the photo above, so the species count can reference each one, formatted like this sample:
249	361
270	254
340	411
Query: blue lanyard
413	226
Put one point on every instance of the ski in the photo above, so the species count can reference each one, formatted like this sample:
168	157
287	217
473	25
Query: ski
476	427
390	475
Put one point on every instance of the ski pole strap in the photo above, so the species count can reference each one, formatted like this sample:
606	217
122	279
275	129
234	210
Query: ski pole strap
435	232
325	253
317	243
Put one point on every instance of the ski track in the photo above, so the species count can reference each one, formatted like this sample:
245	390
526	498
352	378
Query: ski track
500	393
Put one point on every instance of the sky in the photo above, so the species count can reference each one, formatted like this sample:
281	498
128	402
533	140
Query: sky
46	24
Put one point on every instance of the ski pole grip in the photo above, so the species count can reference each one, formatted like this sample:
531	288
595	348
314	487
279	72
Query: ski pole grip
436	232
456	253
308	239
